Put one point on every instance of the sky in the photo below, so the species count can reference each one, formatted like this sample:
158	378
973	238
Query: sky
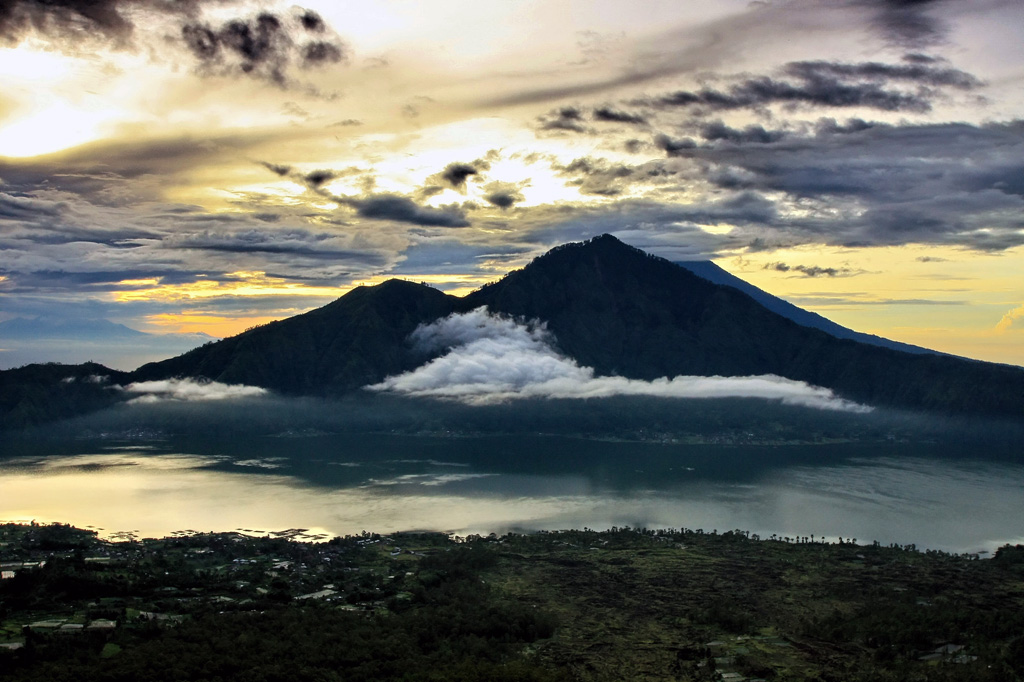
209	165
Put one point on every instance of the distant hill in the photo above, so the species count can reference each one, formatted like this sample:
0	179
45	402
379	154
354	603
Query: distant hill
74	329
354	341
26	340
806	318
39	393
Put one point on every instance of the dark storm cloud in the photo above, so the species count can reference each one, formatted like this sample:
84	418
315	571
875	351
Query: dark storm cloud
503	195
672	146
924	73
809	270
319	52
757	93
910	23
278	168
266	46
402	209
717	130
772	26
878	183
455	174
566	118
26	207
393	207
263	47
312	22
319	177
829	84
65	19
503	199
611	115
597	176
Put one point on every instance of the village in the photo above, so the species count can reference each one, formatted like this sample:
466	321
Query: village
578	604
62	580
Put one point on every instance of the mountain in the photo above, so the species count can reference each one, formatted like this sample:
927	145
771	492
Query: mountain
354	341
39	393
74	329
621	311
805	318
611	307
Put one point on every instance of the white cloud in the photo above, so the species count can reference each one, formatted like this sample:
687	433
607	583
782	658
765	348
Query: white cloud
1011	319
188	390
494	359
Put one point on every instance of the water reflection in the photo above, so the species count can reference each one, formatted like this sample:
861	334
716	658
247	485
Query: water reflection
340	485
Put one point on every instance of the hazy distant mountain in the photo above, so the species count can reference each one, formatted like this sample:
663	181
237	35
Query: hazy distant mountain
48	339
58	328
610	307
806	318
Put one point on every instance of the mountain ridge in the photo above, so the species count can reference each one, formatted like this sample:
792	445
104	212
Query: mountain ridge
713	273
610	307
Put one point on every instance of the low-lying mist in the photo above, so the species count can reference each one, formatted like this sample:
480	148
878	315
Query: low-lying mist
492	358
728	421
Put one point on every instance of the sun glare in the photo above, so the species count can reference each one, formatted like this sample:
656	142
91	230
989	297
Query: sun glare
50	112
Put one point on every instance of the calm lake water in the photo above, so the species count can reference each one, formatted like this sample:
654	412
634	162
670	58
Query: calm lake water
929	495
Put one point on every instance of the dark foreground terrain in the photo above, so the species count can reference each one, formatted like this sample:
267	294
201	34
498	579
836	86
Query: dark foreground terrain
574	605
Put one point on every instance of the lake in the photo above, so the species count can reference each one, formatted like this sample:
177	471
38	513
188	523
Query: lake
926	494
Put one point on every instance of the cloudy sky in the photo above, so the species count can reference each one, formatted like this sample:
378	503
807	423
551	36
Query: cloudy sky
207	165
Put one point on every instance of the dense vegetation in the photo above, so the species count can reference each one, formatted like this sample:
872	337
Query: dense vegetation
35	394
679	604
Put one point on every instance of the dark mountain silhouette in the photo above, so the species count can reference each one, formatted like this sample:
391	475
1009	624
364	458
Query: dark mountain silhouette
805	318
44	392
354	341
611	307
621	311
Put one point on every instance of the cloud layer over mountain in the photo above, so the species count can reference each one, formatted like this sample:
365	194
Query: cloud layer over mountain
189	390
493	359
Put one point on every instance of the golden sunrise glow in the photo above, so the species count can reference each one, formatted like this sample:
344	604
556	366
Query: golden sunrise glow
1011	320
241	283
926	296
214	325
